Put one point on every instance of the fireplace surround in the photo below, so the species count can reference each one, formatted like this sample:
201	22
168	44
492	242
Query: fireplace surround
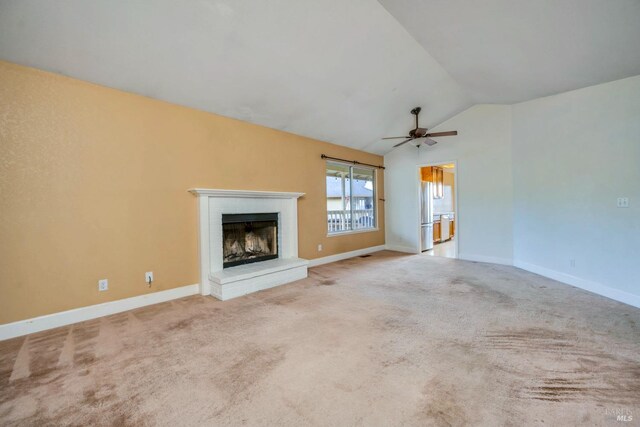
225	281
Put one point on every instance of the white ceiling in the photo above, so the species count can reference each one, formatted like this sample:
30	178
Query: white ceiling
507	51
347	72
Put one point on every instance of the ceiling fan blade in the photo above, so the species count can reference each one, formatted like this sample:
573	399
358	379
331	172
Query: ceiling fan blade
430	142
403	142
449	133
397	137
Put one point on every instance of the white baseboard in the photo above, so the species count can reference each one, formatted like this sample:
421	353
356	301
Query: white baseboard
398	248
587	285
483	258
63	318
345	255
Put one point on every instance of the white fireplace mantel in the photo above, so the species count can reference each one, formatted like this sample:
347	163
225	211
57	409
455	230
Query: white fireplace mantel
244	279
211	192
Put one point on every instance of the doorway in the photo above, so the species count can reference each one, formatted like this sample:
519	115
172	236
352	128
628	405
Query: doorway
439	209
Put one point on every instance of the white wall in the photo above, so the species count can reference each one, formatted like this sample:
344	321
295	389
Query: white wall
484	211
401	199
537	186
573	155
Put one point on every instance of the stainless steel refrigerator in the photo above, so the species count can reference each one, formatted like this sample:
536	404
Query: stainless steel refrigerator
426	215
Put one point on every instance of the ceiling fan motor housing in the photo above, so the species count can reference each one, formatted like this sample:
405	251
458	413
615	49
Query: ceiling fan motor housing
419	132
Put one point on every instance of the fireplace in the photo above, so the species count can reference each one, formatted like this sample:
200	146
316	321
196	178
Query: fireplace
215	207
248	238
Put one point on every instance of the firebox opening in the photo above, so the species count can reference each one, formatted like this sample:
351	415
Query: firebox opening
248	238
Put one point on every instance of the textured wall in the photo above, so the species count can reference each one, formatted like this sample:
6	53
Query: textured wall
93	184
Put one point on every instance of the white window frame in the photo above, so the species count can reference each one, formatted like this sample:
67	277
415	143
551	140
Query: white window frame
352	217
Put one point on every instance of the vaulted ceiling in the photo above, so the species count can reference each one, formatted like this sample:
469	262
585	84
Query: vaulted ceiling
346	72
507	51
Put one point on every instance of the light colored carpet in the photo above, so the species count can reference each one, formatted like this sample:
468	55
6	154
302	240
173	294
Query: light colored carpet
385	340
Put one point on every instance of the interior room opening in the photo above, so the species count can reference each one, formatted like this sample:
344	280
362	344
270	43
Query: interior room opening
438	210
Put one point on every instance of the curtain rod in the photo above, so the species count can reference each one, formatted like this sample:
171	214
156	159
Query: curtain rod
355	162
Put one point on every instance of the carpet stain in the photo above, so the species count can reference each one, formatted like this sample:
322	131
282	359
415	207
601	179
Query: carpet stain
441	406
536	339
252	365
182	324
478	290
283	299
396	361
581	372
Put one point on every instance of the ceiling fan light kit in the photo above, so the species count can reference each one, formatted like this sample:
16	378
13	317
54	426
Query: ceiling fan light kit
418	133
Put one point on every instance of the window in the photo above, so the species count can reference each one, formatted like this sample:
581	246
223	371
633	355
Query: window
350	198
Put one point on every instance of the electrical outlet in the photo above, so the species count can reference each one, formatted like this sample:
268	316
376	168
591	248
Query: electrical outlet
103	285
148	277
320	248
623	202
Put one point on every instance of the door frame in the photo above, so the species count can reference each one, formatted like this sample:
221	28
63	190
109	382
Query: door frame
456	223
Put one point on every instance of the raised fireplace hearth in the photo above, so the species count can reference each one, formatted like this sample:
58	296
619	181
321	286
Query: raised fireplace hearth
248	241
248	238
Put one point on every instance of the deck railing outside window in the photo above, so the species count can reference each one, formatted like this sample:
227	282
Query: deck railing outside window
341	220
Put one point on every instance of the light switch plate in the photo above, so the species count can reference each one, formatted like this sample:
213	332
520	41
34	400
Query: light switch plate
623	202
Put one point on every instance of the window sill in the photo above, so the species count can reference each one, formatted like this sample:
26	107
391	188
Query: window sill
342	233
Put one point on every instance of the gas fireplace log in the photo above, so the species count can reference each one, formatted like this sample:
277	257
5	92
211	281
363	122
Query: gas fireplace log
232	247
256	244
243	242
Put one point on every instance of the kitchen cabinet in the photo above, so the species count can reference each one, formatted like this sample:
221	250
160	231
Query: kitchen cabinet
435	175
437	230
426	174
438	181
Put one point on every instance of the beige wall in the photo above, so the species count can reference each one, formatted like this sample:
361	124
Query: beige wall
93	184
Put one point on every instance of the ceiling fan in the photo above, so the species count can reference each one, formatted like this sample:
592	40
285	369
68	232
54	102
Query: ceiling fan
419	132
